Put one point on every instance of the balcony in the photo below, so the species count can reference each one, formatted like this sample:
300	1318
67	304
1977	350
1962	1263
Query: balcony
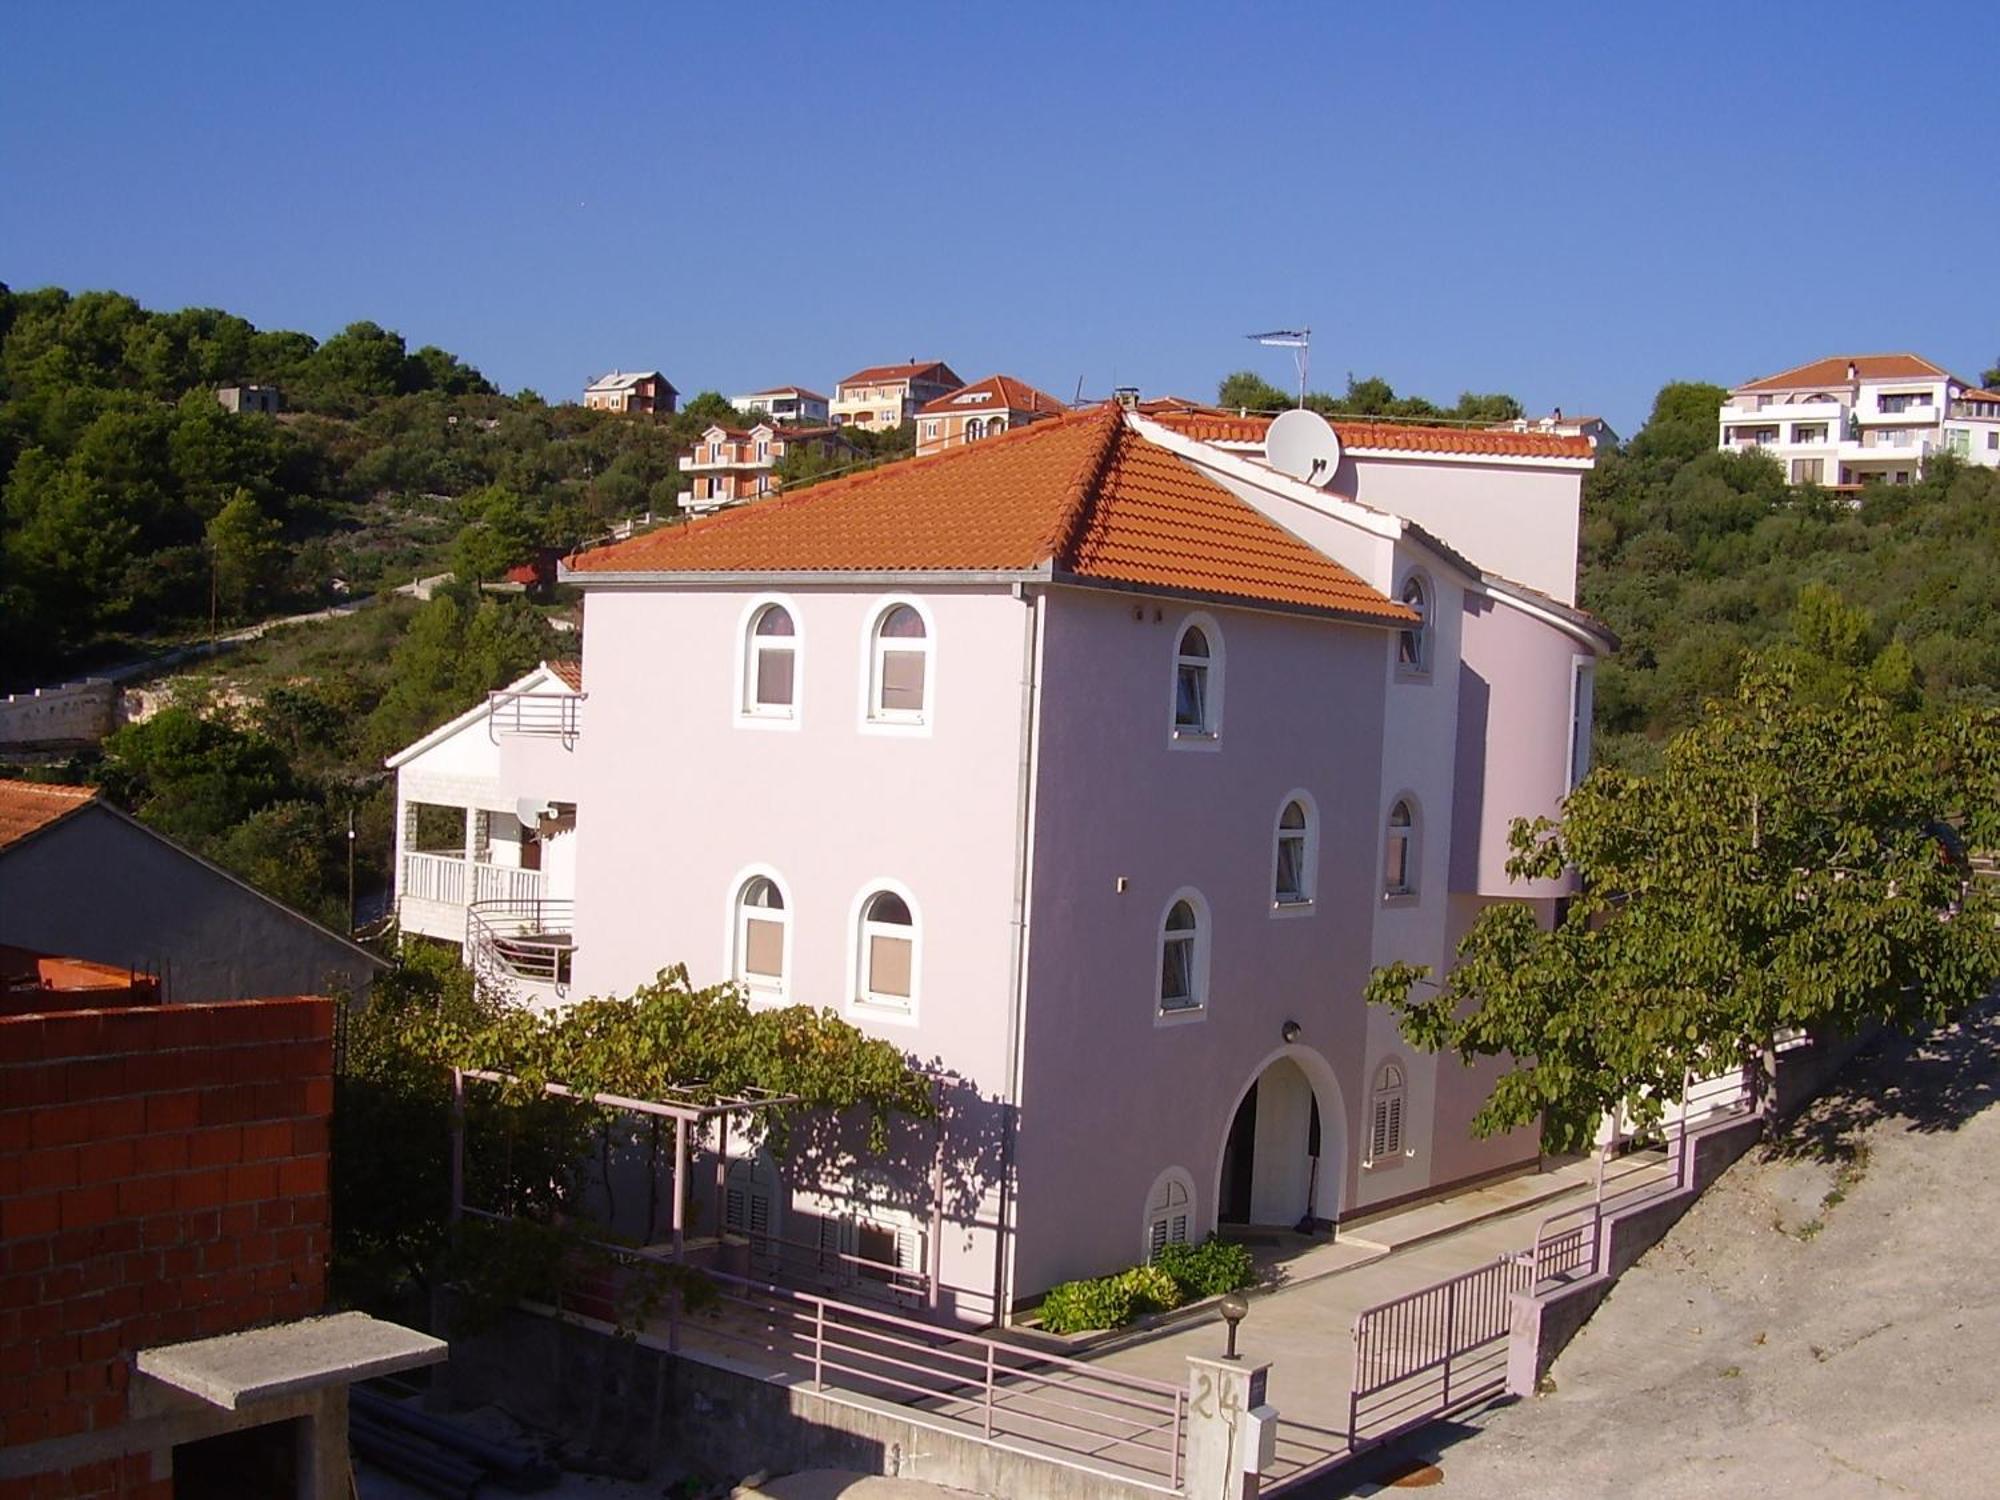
521	947
434	888
540	715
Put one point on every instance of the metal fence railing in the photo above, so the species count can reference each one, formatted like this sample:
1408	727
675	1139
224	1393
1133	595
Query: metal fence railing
1429	1353
1057	1409
552	715
527	941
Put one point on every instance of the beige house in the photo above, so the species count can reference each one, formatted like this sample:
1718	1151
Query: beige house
986	408
889	395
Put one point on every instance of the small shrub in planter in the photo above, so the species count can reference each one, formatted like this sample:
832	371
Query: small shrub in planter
1077	1306
1209	1269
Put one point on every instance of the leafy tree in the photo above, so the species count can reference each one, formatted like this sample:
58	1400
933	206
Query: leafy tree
1248	391
1990	378
245	547
194	778
499	532
1783	871
459	647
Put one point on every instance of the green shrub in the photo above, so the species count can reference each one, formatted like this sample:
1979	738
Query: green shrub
1077	1306
1153	1290
1209	1269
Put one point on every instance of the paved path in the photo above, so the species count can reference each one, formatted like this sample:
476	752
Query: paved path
1306	1330
1825	1321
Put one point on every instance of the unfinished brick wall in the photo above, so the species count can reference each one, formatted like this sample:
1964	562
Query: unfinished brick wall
163	1177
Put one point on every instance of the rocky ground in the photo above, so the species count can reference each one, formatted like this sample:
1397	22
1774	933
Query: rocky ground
1825	1321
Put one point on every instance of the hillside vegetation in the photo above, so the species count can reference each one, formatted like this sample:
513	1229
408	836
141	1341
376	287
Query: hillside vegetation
132	506
1695	557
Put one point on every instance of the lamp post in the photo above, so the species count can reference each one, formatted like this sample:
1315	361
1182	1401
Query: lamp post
1235	1307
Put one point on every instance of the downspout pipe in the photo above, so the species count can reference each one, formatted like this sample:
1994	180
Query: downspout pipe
1017	978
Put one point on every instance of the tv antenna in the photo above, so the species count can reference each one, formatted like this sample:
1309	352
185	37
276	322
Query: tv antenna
1297	339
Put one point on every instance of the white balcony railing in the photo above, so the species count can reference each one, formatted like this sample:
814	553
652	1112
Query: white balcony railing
521	943
449	880
549	715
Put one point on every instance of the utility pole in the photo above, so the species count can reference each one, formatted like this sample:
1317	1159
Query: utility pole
350	871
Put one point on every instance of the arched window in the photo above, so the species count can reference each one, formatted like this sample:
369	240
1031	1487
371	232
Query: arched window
887	965
1169	1212
1399	862
1296	856
1184	955
899	667
1413	644
763	938
1197	681
1385	1116
975	429
771	680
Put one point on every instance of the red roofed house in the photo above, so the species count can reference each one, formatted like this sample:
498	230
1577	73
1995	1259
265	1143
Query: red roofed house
986	408
1093	765
733	464
785	403
1851	418
884	396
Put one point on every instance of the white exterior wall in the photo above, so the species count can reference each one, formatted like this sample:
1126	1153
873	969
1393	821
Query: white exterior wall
1869	452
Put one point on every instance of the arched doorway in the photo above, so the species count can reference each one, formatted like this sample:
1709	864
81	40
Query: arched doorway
1283	1155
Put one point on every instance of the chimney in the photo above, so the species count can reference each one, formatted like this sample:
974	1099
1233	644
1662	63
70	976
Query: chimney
1559	414
1126	396
1853	374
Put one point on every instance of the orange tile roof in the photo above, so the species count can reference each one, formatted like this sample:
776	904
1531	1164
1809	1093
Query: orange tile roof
1832	371
570	671
1979	395
1009	395
1082	495
29	806
1207	425
900	372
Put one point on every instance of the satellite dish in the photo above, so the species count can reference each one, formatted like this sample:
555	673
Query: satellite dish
1304	445
530	810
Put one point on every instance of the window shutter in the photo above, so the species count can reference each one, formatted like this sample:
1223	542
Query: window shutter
1157	1235
732	1210
1394	1127
760	1214
1378	1134
1177	1231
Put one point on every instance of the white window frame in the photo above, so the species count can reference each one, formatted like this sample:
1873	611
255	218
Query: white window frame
734	942
742	711
1582	701
1412	888
1425	632
1209	736
1162	1212
1305	904
1204	942
860	1000
1388	1117
898	722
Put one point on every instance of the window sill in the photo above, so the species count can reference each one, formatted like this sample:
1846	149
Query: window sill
1399	898
908	728
1182	1016
1298	908
1413	674
904	1014
750	718
1195	739
1388	1163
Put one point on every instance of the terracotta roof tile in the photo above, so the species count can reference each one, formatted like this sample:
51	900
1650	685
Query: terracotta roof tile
29	806
570	671
1008	394
1832	371
1083	494
1211	426
914	371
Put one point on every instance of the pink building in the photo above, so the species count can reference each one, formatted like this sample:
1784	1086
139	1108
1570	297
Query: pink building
1097	764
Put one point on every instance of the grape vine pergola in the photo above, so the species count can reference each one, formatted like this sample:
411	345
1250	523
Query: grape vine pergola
692	1106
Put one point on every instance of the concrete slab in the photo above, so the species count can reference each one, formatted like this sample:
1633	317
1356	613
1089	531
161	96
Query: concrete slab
842	1484
238	1369
1429	1221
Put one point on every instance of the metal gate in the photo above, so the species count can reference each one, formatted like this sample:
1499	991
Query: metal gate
1433	1351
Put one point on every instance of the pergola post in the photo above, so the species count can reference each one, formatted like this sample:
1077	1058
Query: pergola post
457	1145
680	1186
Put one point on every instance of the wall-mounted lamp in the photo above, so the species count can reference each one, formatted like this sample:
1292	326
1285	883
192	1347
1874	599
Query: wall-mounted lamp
1234	1308
1291	1031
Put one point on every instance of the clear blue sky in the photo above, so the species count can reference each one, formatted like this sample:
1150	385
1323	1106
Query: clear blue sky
1572	203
